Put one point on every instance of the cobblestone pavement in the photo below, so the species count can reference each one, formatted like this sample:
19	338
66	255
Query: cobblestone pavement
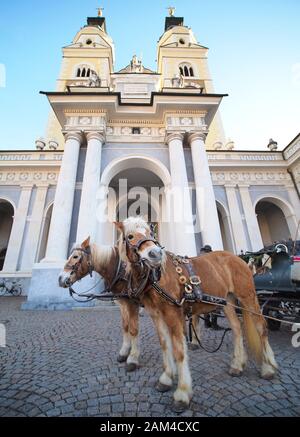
64	364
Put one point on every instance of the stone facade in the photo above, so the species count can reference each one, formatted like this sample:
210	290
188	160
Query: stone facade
153	129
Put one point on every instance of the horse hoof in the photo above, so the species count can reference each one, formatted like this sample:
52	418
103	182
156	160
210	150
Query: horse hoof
235	372
179	407
162	388
122	358
131	367
268	376
193	347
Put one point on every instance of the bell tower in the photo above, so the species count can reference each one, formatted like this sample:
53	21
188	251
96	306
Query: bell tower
87	62
182	63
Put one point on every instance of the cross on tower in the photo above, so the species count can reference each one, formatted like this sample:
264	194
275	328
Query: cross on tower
100	12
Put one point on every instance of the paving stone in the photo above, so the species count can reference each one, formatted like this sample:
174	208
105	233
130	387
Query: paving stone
64	364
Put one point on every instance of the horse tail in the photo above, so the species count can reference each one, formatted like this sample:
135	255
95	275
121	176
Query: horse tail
253	337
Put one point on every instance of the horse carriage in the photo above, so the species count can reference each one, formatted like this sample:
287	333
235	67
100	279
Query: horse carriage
276	272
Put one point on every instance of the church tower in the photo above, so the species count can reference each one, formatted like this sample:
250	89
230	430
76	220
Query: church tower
182	62
88	61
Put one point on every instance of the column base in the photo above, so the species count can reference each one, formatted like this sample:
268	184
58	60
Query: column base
45	293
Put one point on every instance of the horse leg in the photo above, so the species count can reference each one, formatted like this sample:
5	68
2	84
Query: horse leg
133	357
184	392
194	345
165	381
257	335
126	345
239	359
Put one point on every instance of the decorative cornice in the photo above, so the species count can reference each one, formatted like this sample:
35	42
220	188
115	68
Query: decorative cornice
84	111
19	176
247	178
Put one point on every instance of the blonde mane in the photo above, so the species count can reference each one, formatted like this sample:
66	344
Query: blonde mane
101	255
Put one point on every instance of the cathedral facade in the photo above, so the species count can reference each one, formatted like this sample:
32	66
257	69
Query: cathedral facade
144	142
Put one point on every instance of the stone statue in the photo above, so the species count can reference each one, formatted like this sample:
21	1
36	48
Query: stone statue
136	65
94	80
171	10
177	81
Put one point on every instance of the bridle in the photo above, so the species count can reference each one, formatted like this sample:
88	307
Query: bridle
119	275
75	268
134	248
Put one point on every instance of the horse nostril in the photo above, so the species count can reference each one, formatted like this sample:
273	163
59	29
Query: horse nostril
155	253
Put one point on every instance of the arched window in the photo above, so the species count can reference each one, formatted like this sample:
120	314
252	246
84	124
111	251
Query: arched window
83	70
186	70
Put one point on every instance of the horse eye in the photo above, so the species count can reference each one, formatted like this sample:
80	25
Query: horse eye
130	237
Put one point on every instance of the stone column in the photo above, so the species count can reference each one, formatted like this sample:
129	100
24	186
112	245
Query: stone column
103	236
35	226
87	221
18	227
59	232
239	236
206	202
251	219
181	216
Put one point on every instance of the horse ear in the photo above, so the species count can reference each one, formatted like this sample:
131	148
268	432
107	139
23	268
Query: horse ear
119	226
86	243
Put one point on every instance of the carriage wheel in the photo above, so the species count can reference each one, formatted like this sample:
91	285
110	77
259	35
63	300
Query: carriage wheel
2	291
274	325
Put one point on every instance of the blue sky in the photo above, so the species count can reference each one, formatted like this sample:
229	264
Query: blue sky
254	57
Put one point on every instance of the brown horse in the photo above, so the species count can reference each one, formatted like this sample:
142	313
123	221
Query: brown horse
223	275
105	260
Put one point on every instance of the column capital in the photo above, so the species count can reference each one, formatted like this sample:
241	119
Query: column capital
96	135
194	136
73	135
171	136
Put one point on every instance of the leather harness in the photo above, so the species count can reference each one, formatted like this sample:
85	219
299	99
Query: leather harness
150	277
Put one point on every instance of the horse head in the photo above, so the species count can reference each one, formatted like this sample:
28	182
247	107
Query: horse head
137	244
78	265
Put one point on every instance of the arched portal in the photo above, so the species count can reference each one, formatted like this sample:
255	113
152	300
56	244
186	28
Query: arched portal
276	220
136	188
225	227
6	222
45	233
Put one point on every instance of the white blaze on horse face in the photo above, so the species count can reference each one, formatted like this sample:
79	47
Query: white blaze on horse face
152	254
64	279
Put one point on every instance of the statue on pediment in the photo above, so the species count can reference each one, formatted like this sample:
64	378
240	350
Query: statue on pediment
94	80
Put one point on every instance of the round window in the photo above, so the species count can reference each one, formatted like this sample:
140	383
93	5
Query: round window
182	41
89	42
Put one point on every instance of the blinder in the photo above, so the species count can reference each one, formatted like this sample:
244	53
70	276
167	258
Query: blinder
135	247
74	268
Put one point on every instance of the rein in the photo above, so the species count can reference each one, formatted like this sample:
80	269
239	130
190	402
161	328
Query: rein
107	293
